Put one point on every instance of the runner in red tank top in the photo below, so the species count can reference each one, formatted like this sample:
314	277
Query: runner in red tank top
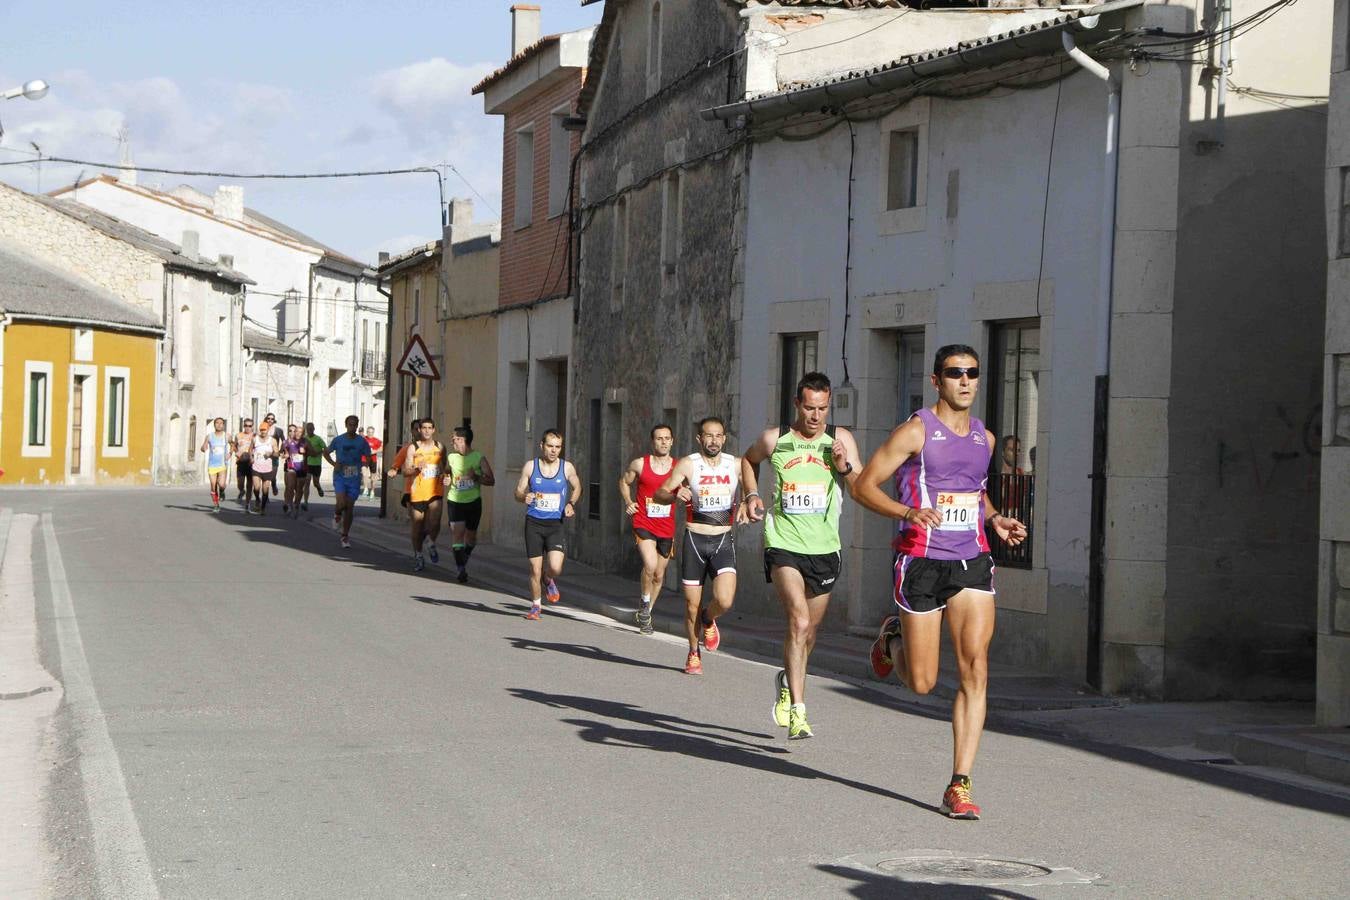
653	523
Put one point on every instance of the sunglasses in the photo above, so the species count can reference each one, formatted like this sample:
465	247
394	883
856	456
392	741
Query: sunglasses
954	372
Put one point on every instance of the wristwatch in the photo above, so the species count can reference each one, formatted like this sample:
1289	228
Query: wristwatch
848	468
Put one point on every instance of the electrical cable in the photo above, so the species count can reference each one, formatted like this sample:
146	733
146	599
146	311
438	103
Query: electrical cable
1045	208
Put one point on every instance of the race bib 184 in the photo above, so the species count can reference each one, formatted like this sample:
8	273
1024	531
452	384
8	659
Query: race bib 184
714	498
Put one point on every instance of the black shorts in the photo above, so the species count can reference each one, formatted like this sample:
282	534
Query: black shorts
819	570
543	536
706	556
422	506
665	547
315	468
244	467
925	585
470	513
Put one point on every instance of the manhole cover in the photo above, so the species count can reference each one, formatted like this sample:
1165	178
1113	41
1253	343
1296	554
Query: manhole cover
961	868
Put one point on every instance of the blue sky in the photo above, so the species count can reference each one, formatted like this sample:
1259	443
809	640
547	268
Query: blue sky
272	87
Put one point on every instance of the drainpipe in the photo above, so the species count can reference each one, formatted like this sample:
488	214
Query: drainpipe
388	385
1105	272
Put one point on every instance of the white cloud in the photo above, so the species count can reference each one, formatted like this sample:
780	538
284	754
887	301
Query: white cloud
429	100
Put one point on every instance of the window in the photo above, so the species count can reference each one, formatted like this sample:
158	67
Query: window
559	163
672	198
222	351
1013	382
290	413
619	263
524	178
799	357
466	407
417	298
654	50
37	409
116	388
1345	212
593	464
442	296
182	345
253	411
902	170
902	188
192	439
365	336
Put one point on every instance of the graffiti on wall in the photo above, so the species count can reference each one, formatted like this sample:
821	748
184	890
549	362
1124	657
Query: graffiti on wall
1263	458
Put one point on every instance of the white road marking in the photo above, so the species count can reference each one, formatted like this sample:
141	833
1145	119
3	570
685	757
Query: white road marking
119	848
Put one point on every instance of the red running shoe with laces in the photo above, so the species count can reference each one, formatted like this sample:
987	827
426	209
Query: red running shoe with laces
551	592
956	802
712	638
694	665
533	614
882	664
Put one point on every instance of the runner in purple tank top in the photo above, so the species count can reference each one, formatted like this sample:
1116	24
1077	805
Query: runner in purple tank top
939	459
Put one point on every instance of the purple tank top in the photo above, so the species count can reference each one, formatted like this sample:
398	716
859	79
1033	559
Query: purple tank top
950	474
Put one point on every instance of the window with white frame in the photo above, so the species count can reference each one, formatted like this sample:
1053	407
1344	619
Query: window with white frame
116	403
903	185
654	49
182	344
619	263
672	200
222	351
524	177
559	162
37	408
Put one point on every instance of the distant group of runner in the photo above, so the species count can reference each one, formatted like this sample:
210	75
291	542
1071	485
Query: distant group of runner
938	461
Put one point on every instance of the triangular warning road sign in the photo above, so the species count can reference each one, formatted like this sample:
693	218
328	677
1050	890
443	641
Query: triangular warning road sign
417	361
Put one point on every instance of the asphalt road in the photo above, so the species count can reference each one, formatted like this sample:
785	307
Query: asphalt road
251	712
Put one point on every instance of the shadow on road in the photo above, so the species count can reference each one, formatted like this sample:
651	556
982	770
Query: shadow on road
589	652
512	610
874	886
671	734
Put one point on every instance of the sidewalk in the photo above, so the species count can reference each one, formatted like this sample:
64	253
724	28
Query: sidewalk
1268	736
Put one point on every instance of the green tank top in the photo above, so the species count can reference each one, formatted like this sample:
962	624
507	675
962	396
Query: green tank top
463	489
804	515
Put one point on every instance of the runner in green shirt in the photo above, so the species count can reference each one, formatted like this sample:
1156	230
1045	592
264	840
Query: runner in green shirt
313	462
811	462
467	473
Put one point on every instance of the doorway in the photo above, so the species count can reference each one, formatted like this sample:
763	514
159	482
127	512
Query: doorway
912	372
82	418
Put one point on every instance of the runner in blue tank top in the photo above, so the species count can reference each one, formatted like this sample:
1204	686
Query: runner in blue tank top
550	489
218	448
940	460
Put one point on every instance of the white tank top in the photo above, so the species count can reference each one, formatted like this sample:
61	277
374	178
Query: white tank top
714	487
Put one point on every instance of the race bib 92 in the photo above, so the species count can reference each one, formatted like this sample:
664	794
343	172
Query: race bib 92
547	502
959	511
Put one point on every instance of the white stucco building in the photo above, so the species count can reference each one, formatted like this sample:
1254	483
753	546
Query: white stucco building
307	294
1087	226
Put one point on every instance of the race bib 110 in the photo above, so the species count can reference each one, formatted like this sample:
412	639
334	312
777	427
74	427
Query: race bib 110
959	511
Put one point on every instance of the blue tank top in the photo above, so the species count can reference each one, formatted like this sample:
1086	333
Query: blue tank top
217	448
550	493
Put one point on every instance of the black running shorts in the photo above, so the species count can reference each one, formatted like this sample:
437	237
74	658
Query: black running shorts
543	536
705	556
470	514
925	585
664	546
819	570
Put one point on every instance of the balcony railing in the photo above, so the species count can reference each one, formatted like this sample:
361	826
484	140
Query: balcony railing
374	365
1013	495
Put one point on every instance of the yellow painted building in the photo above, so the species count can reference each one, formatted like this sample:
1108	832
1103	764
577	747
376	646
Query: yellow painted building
77	380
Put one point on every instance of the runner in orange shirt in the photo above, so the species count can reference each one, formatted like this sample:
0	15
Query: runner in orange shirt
424	465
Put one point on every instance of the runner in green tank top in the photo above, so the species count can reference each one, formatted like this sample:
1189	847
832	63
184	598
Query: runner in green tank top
467	473
811	464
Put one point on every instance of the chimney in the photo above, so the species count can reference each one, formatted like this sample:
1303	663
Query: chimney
228	203
126	171
191	243
227	260
524	27
384	258
461	217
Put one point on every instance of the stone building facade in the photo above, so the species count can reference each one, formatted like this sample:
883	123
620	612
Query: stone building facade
1333	573
659	221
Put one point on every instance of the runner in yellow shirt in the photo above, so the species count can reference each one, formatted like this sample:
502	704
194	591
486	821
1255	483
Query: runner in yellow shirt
424	464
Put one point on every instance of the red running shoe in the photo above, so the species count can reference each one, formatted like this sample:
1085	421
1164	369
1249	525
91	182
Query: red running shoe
694	665
882	666
956	802
712	638
533	614
551	592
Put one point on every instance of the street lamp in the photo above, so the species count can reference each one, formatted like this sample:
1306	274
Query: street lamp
33	90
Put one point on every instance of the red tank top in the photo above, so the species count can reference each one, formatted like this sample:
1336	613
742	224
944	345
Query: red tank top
657	518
